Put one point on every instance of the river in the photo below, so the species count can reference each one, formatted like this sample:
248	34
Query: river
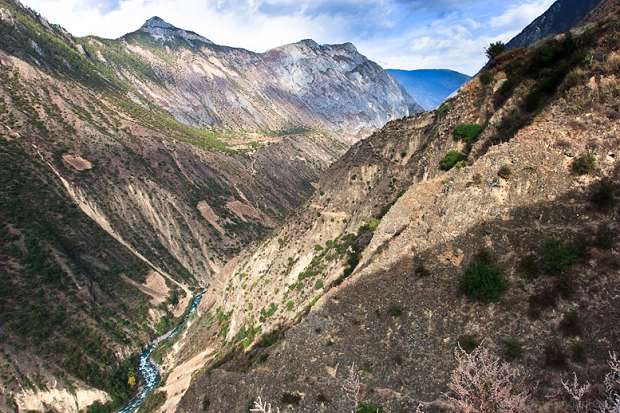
148	371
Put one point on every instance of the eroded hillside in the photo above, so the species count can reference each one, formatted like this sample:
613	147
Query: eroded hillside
517	174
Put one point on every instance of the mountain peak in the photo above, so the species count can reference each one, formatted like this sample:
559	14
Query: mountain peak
161	30
157	22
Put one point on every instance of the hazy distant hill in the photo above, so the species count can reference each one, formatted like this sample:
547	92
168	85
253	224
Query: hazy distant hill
429	87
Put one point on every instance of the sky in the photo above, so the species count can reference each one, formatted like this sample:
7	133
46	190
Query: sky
399	34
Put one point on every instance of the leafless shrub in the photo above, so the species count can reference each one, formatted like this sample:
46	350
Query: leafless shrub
482	383
611	402
577	393
263	407
351	386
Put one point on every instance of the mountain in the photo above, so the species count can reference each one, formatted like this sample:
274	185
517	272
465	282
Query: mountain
561	17
429	87
447	245
133	170
328	87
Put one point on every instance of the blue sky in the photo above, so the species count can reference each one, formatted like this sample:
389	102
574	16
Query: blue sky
404	34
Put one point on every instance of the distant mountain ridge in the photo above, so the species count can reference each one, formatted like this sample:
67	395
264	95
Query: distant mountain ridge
328	87
429	87
560	17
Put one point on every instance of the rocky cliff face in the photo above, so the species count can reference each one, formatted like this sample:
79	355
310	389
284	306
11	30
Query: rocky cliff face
370	272
561	17
117	204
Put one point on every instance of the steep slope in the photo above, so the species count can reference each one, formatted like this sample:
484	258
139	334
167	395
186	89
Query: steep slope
373	265
429	87
114	212
561	17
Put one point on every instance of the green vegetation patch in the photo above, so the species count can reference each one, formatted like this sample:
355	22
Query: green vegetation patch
483	280
268	340
467	132
266	313
395	310
451	159
512	349
247	335
369	408
557	255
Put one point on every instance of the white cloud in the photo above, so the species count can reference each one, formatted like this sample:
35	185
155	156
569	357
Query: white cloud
242	28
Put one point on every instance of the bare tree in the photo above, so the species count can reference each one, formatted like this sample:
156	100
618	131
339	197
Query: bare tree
263	407
482	383
351	386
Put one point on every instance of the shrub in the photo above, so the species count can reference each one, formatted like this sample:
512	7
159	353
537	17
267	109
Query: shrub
505	91
451	159
290	398
267	340
571	325
421	271
486	78
584	164
318	285
483	280
510	125
460	164
513	349
605	237
443	110
504	172
467	132
289	305
484	384
557	255
495	49
564	286
529	267
554	355
602	195
373	224
468	342
369	408
543	300
395	310
578	352
265	314
476	179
